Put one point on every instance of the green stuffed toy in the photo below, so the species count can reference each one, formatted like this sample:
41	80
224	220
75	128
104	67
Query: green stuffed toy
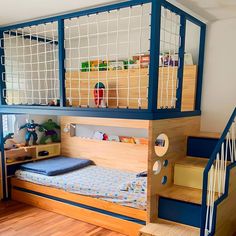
49	128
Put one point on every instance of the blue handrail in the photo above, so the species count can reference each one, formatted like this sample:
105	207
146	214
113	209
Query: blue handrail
208	167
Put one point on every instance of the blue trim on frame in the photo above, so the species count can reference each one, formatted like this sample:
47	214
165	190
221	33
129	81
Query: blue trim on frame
181	62
97	112
206	171
61	61
200	67
2	158
179	211
154	55
95	209
93	10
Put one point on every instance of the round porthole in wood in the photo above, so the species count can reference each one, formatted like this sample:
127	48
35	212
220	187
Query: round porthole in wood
164	180
156	167
161	145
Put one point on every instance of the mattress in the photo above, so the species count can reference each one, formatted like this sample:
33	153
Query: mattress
94	181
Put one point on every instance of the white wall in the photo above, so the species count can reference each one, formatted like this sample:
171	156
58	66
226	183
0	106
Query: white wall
219	85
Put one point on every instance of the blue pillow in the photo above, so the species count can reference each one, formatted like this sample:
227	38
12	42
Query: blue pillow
56	166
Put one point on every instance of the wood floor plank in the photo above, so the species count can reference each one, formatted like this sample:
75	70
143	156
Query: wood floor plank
17	219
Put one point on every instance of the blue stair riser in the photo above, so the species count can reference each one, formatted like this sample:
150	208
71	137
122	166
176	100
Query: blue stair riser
179	211
200	147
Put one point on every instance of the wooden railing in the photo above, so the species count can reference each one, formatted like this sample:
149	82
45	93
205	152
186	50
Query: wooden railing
215	186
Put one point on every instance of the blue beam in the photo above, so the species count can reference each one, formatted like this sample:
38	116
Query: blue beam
3	158
93	10
200	67
154	55
181	62
61	61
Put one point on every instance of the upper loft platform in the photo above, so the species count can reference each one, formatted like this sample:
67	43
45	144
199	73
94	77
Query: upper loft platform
135	60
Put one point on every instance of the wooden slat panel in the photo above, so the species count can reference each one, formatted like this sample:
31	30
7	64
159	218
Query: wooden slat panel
177	131
81	83
124	156
89	201
109	222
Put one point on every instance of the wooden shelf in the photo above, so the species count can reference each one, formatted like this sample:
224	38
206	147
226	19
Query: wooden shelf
32	151
108	142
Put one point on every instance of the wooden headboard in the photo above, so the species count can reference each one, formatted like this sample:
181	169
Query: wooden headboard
124	156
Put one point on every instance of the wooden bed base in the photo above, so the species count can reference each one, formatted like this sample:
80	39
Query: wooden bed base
125	220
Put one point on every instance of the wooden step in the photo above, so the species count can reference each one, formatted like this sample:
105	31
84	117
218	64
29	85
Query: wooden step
184	194
188	172
167	228
206	135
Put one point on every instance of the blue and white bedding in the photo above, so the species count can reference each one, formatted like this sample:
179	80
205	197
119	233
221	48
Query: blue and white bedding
56	165
111	185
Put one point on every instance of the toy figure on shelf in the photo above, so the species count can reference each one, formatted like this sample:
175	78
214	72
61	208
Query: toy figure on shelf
99	93
49	129
8	141
30	131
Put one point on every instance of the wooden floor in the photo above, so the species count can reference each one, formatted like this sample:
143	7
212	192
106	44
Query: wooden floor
18	219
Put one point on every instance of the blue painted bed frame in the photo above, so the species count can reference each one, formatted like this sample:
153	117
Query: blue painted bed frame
151	113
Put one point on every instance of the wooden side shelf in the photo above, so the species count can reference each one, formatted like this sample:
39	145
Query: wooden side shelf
31	153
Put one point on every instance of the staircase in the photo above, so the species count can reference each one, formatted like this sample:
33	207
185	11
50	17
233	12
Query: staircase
201	182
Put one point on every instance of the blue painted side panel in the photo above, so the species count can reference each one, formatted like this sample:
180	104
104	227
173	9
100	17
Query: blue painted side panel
181	62
131	219
154	58
200	147
3	159
61	61
178	211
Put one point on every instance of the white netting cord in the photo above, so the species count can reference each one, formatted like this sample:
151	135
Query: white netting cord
217	175
107	57
117	49
78	64
169	41
108	44
29	66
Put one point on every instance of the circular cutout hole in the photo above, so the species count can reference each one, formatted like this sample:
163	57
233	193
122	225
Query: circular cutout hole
161	145
165	163
164	179
157	167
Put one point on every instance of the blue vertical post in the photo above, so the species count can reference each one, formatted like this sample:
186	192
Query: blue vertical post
61	61
181	62
154	55
200	67
3	177
2	70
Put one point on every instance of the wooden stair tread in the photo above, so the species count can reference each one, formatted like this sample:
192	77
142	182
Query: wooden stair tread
206	135
167	228
193	162
182	193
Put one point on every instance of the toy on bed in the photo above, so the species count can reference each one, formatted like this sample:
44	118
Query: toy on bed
30	131
49	128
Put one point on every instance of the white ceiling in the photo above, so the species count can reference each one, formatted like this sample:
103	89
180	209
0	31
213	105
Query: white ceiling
211	10
12	11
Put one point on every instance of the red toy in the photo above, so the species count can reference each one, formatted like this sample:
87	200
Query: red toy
99	92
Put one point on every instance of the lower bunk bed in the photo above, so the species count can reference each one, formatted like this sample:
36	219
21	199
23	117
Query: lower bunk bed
105	197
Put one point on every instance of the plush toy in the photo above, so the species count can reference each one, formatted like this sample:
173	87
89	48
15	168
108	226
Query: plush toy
8	141
99	93
30	131
49	128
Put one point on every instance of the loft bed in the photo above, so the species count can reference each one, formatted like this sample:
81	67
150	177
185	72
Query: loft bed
104	62
131	61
